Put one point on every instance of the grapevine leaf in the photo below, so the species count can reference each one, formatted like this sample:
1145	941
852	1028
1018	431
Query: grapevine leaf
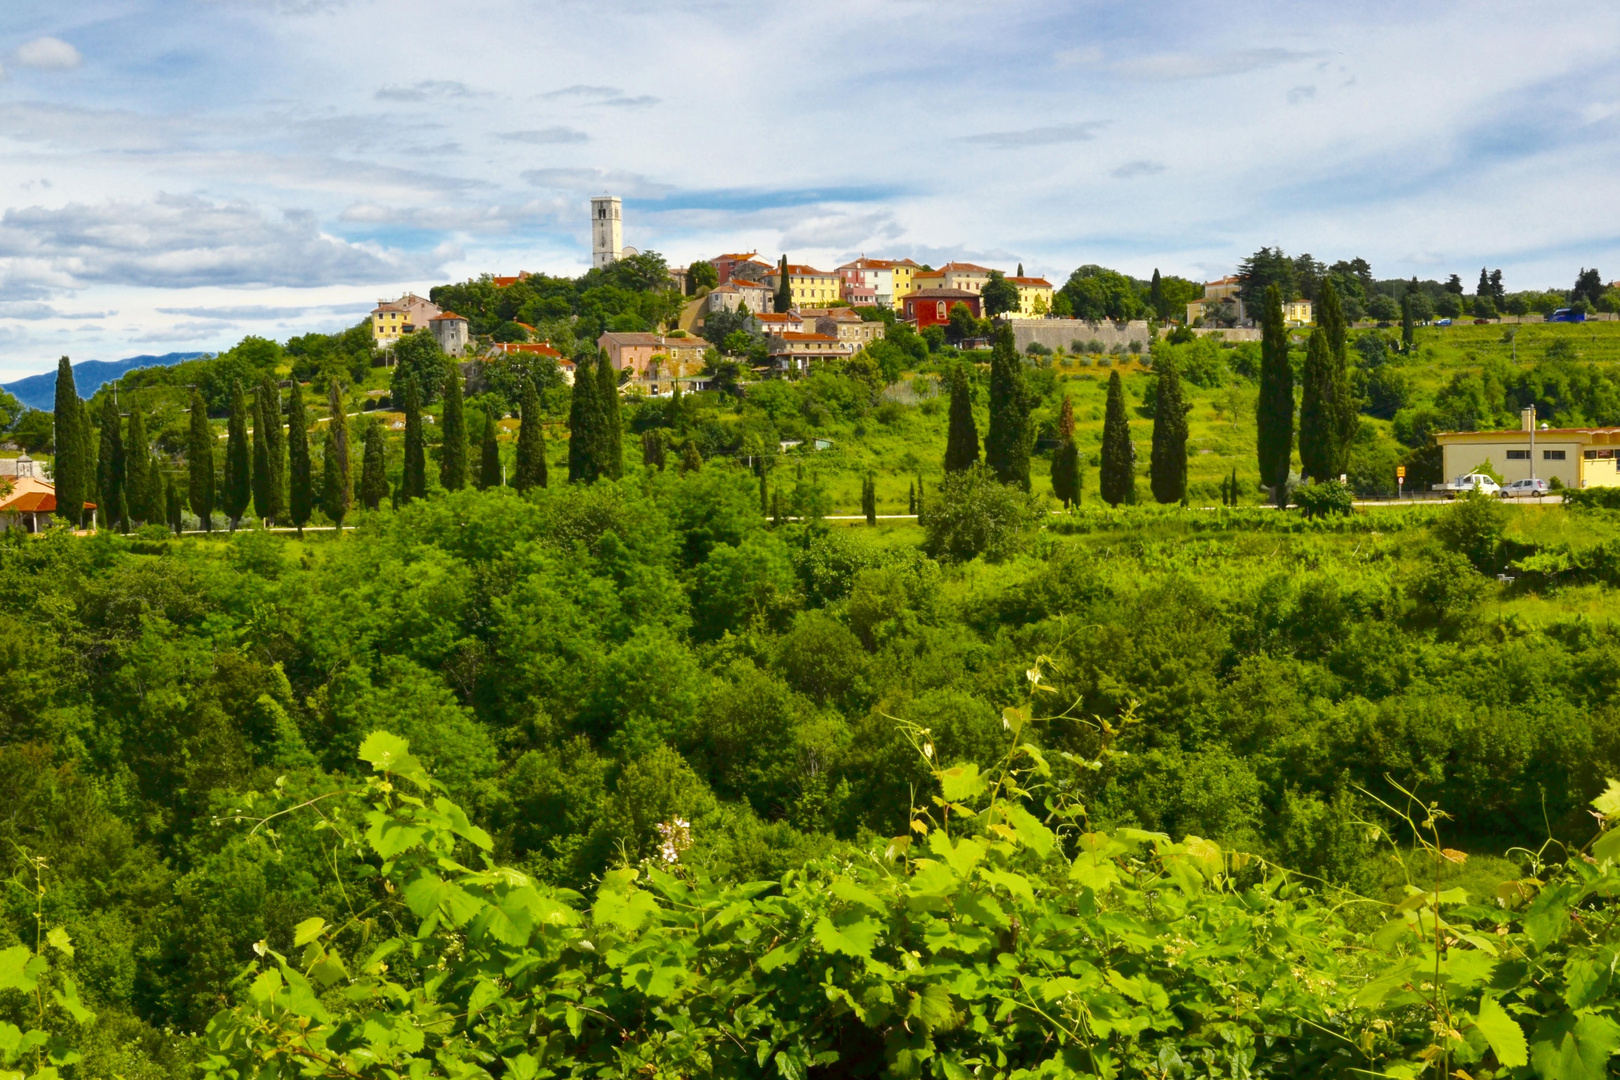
1031	833
1586	979
387	752
845	889
522	1067
1503	1033
626	911
1608	803
1093	873
68	998
20	969
390	837
855	939
264	986
483	993
424	893
780	956
59	940
308	930
1607	846
10	1039
960	783
1547	915
1571	1048
1016	884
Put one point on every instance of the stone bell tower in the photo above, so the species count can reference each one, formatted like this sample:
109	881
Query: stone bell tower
607	231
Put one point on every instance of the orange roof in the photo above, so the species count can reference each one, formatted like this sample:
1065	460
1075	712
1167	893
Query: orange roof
31	502
503	282
777	316
1040	281
738	256
966	268
1225	281
539	348
793	335
450	315
864	263
929	273
800	270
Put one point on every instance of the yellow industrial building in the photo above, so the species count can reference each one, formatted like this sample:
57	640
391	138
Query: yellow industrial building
1578	457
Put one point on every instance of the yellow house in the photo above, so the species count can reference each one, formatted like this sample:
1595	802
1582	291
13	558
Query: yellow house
808	286
1298	312
1034	297
393	319
905	272
1578	457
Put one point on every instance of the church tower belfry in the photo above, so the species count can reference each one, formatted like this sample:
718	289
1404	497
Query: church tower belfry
607	231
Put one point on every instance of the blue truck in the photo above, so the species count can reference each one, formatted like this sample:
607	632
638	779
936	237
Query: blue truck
1565	314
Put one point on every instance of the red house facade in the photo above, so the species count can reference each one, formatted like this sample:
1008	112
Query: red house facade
932	307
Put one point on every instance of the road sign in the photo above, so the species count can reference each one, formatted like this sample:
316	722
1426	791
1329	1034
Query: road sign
1400	472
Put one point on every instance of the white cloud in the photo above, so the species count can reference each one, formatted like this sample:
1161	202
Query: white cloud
1051	135
176	241
47	53
427	90
550	136
598	181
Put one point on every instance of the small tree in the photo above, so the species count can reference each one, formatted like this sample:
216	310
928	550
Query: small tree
531	444
200	462
961	325
911	499
1408	333
1066	459
413	483
373	468
973	514
300	482
489	454
653	449
691	459
1167	468
702	275
275	443
238	459
999	295
962	434
869	499
261	461
1156	297
453	451
1118	453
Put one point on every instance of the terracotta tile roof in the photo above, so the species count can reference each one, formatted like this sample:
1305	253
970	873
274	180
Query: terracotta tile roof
1038	282
793	335
800	270
503	282
739	256
31	502
538	348
448	315
777	316
942	294
965	268
616	337
928	274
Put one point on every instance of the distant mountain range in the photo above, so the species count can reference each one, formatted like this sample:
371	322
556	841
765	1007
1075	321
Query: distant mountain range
39	391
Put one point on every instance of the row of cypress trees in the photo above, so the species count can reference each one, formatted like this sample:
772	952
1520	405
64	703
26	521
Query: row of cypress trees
1329	413
1007	441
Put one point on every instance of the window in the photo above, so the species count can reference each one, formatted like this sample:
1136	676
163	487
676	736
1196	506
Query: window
1518	455
939	310
1552	455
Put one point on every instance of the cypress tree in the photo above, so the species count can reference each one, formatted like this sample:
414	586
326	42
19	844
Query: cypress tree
413	484
919	498
238	460
691	460
300	488
337	487
1274	415
334	482
1118	455
1066	459
531	443
911	499
1167	468
1345	414
652	449
110	467
85	429
1318	431
142	481
582	425
1156	300
784	287
453	454
1407	332
268	398
489	454
373	468
261	461
869	499
1330	318
764	494
610	426
962	436
1234	486
68	465
1006	445
200	463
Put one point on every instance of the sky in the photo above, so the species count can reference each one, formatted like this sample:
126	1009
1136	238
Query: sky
176	174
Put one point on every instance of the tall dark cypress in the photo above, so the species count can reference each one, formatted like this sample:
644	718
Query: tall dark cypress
489	455
1161	306
1066	459
784	287
200	463
1118	454
610	424
869	499
1330	318
85	429
1006	445
1318	431
1407	332
962	436
337	487
141	480
238	460
334	480
582	425
68	463
530	469
261	461
268	400
453	451
1167	468
765	492
300	484
110	467
373	469
1274	414
413	484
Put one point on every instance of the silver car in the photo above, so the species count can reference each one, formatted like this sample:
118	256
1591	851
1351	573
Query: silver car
1522	488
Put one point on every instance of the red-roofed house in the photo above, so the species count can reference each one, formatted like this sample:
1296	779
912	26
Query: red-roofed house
1034	296
393	319
533	348
507	282
738	291
965	276
794	352
777	322
451	330
32	501
932	307
751	266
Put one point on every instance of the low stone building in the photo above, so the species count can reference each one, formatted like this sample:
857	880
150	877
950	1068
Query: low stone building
738	292
451	330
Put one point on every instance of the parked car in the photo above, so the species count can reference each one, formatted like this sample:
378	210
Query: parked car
1523	488
1442	322
1565	314
1470	482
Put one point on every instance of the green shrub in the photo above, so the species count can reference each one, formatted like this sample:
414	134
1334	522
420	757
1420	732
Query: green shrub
1324	498
972	514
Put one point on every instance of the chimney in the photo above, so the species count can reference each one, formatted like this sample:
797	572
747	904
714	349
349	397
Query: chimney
1528	416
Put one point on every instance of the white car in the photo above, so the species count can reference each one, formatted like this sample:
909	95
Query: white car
1471	482
1523	488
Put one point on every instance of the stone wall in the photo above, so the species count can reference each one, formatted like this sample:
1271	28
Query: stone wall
1057	334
